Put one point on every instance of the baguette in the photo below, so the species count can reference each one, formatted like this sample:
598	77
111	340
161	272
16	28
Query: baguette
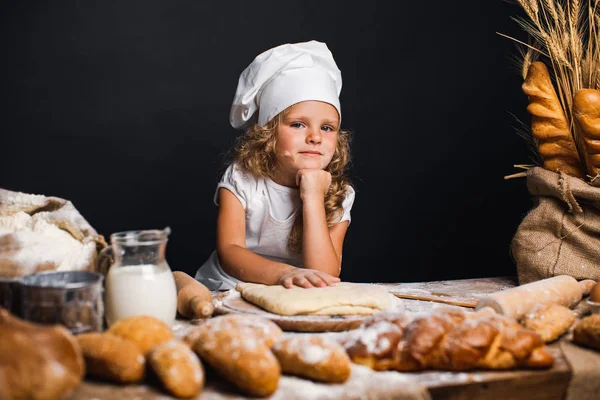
586	106
549	123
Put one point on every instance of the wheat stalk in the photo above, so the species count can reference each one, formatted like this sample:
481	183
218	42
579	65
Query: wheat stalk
530	7
527	57
551	7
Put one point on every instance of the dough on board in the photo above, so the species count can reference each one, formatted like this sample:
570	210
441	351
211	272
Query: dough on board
344	298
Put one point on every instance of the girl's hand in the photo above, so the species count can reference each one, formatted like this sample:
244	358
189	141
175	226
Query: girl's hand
307	278
313	182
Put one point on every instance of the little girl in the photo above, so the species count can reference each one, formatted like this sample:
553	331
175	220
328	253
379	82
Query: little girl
284	202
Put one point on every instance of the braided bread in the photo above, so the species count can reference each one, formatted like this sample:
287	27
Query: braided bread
446	343
373	344
449	340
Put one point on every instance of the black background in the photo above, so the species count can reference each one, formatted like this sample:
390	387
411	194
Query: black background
122	107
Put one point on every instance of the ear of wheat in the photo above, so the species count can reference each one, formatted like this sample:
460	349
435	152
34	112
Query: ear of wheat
564	35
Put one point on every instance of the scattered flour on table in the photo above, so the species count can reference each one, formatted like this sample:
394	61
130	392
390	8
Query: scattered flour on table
363	383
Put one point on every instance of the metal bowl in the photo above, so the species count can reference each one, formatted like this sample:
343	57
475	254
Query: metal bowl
9	294
594	307
71	298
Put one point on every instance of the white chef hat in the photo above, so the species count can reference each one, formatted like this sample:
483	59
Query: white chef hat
283	76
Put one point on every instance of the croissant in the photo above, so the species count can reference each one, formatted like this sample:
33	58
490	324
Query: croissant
549	123
586	106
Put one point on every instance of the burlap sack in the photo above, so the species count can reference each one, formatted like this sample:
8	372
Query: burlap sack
561	233
39	233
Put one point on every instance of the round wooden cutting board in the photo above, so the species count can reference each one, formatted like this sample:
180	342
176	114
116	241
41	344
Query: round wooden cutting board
231	302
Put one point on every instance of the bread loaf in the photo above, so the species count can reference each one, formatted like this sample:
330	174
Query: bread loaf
313	357
445	342
586	109
451	339
242	359
37	362
550	321
587	332
143	330
549	124
177	367
111	357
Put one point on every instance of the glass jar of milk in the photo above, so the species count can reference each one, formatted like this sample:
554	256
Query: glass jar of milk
139	281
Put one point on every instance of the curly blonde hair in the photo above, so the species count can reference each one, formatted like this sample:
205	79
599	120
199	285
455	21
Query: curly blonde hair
254	151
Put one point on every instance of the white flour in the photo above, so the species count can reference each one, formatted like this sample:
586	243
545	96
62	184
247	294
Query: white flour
37	242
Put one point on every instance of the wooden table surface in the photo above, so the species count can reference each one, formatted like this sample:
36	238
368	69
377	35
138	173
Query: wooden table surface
517	384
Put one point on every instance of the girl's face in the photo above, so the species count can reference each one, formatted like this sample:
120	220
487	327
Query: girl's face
306	137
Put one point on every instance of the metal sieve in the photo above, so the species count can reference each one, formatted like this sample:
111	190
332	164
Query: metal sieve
9	294
71	298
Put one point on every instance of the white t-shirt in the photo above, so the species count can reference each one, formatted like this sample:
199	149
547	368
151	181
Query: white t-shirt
270	211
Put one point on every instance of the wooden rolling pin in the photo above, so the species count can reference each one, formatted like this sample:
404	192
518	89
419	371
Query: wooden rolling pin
516	302
194	300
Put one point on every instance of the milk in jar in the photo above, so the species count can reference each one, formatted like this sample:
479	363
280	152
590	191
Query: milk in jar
140	282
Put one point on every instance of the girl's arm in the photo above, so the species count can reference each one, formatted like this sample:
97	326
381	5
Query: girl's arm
321	245
244	264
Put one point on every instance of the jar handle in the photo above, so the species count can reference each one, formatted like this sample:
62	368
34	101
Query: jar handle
105	260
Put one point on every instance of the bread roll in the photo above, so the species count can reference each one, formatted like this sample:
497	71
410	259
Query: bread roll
177	367
242	359
267	331
143	330
313	357
549	124
550	321
517	301
586	109
111	357
587	332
